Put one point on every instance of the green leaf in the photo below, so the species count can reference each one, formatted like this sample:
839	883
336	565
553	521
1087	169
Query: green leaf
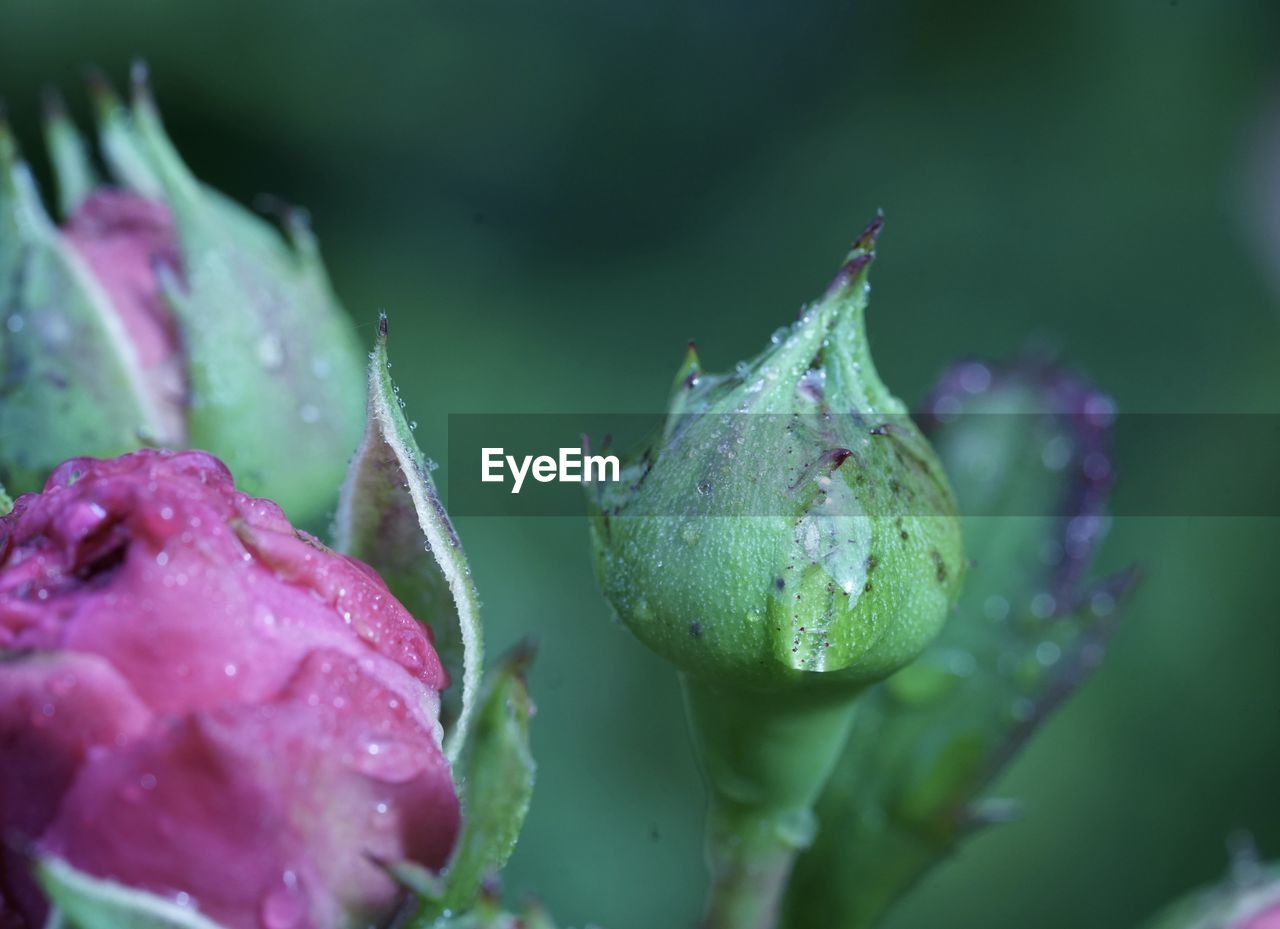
497	776
390	516
1026	632
85	902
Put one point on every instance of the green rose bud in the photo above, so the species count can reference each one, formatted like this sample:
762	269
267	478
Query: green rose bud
789	540
160	313
842	553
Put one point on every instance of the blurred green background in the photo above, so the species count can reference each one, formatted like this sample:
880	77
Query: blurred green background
551	198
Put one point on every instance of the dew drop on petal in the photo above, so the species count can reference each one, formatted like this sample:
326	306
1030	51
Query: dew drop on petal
285	906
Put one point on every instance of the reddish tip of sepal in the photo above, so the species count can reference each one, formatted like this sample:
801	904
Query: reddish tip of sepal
140	82
867	238
849	272
98	83
851	268
521	657
382	325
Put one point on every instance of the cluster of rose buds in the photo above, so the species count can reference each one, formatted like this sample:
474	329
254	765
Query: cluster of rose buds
211	720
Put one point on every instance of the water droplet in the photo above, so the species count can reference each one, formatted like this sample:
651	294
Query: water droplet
1096	466
284	907
162	558
1100	410
310	413
961	663
230	670
704	487
1056	453
271	351
15	322
1048	653
975	377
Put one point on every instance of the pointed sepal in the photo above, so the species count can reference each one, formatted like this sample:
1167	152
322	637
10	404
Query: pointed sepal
498	772
123	152
73	170
390	516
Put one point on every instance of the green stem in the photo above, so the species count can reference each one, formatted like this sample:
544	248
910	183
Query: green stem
766	757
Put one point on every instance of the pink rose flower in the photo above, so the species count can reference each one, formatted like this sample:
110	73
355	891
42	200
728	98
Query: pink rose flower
200	701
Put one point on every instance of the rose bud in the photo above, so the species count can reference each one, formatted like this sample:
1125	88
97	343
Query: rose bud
206	708
160	313
845	553
789	540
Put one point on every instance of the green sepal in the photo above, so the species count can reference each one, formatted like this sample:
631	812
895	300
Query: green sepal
72	168
925	742
82	901
390	516
70	380
6	502
498	772
488	913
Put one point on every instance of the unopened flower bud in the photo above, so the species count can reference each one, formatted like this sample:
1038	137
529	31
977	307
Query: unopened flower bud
791	528
160	313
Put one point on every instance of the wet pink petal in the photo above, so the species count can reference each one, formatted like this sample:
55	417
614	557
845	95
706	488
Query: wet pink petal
271	725
55	711
277	807
123	238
